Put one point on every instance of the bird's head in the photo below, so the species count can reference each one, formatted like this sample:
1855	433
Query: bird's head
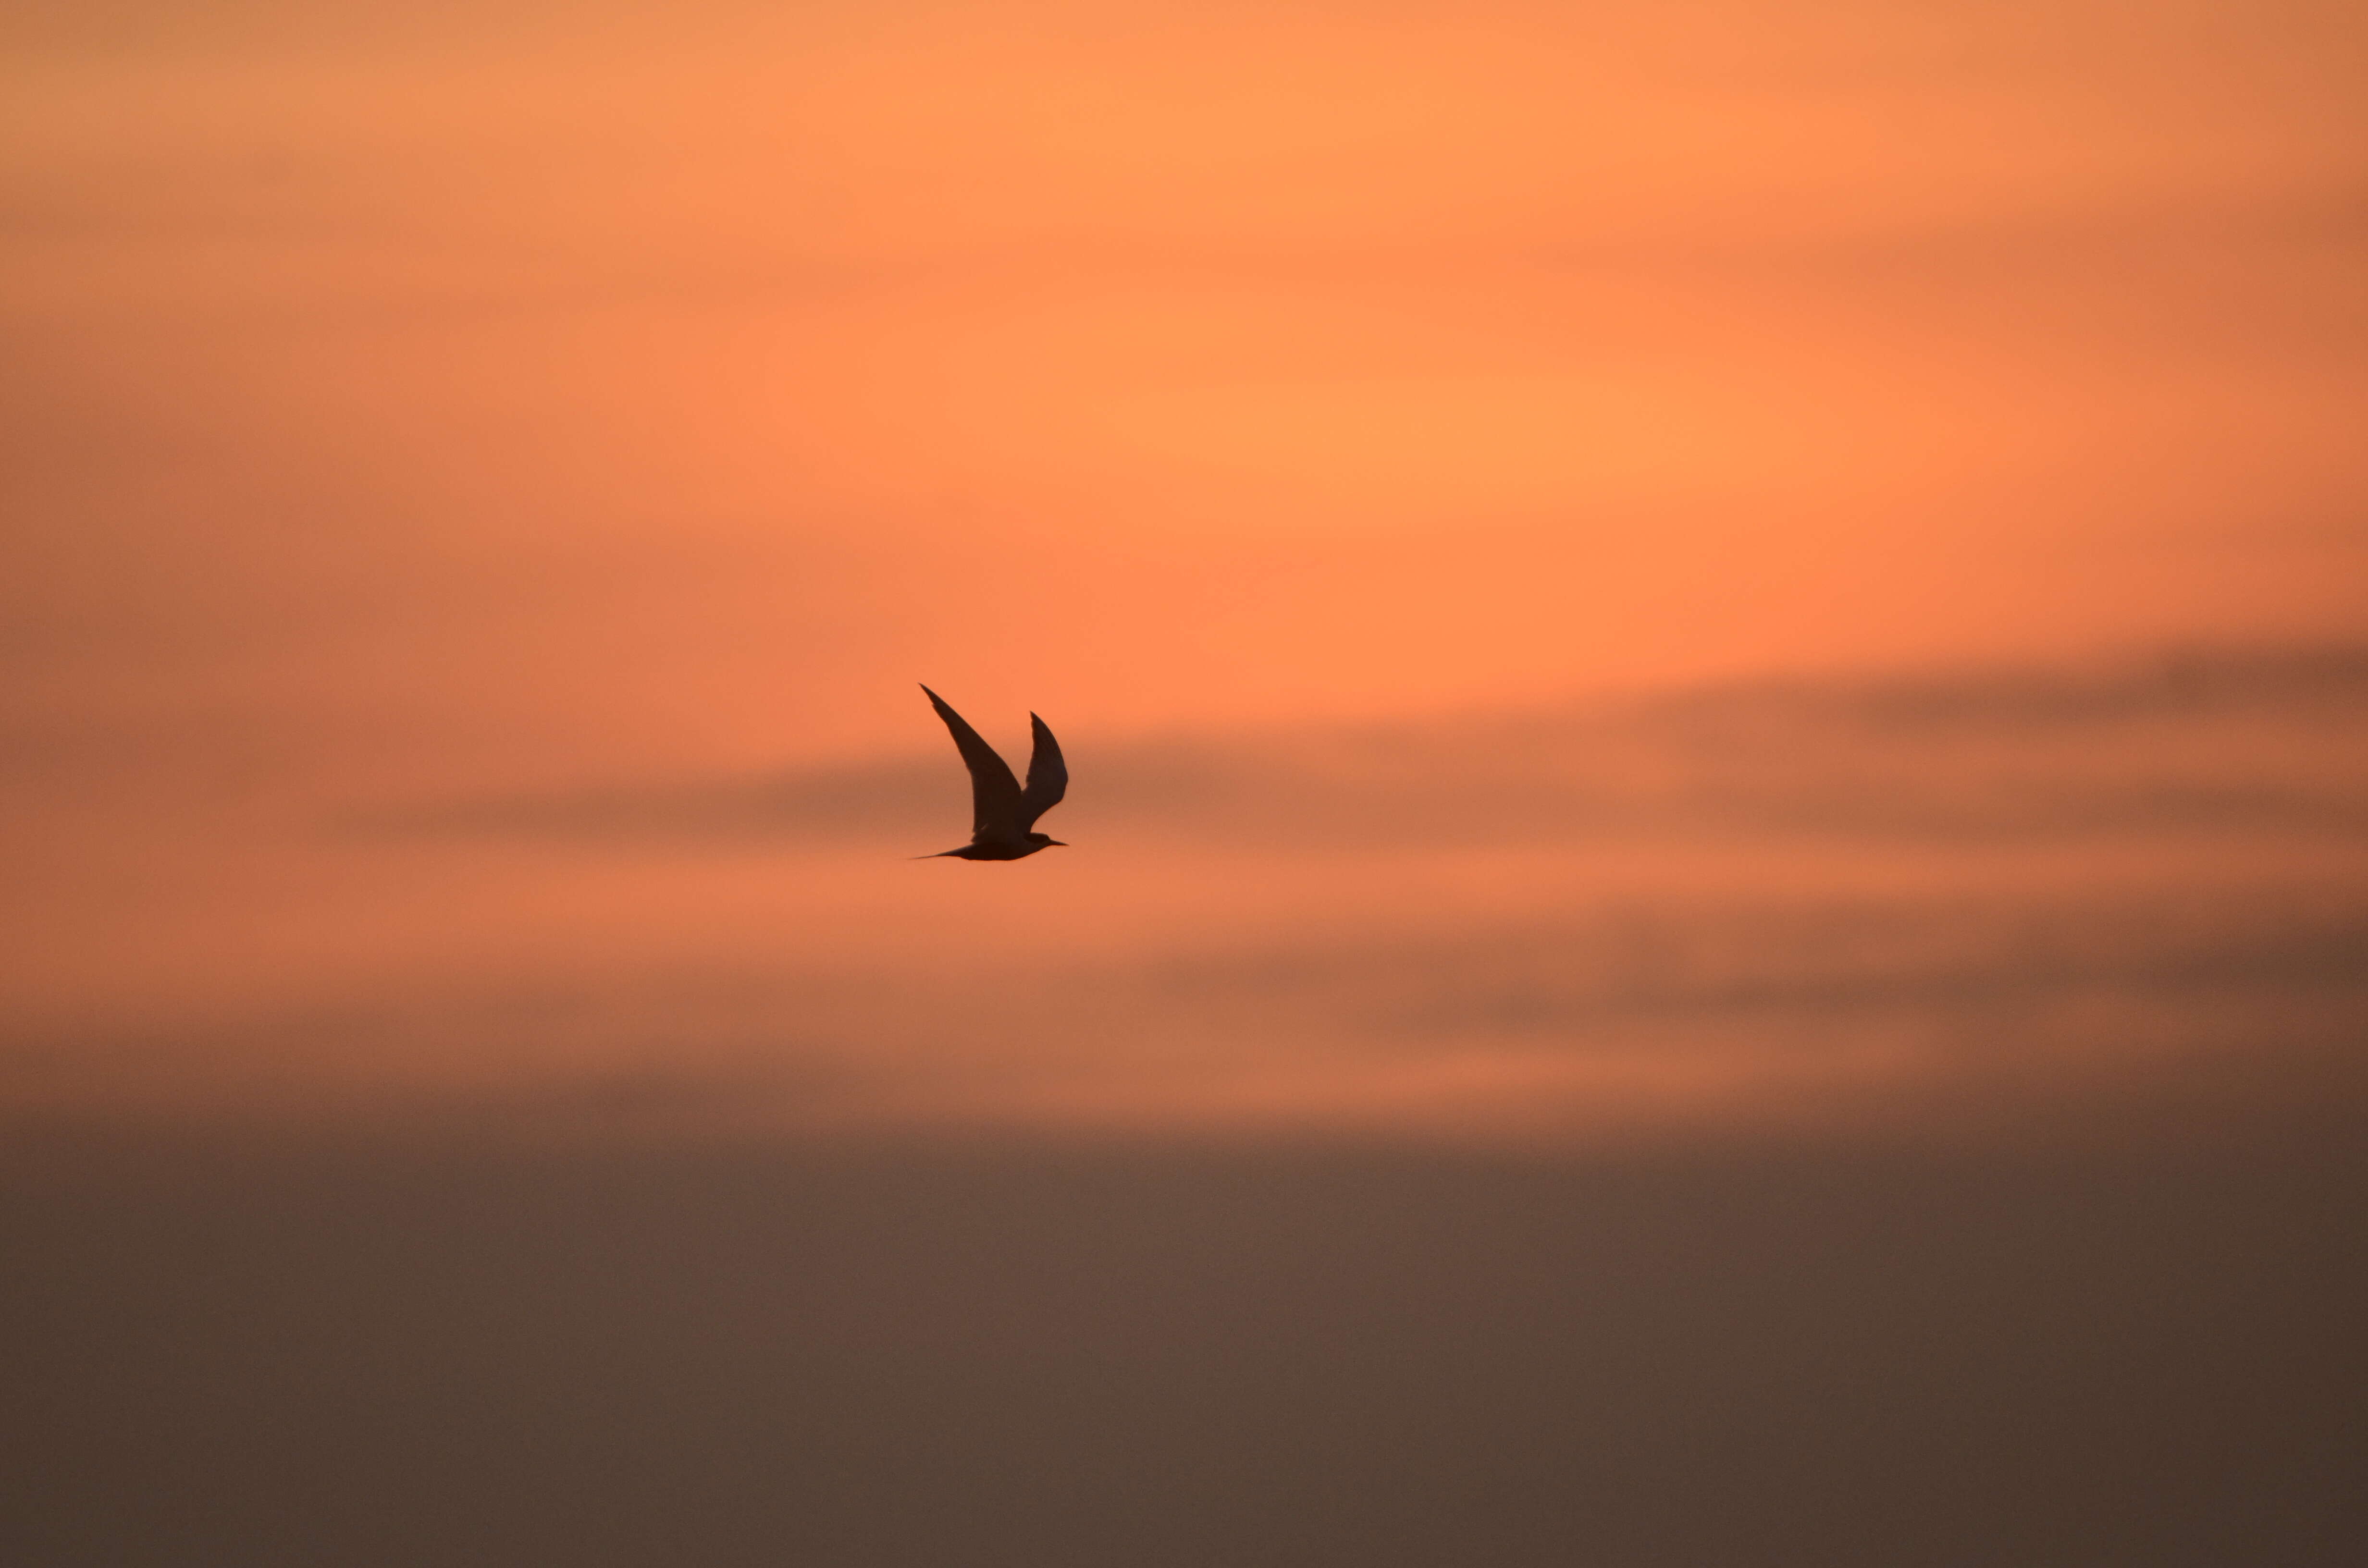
1043	841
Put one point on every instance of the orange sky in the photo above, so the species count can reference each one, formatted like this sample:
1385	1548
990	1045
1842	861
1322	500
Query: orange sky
410	403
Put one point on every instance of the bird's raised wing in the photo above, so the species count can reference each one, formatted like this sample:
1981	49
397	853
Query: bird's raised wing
1048	776
996	811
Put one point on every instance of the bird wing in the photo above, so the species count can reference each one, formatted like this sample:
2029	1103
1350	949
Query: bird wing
1048	776
996	811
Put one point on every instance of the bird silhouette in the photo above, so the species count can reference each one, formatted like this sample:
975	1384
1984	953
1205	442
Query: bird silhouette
1002	814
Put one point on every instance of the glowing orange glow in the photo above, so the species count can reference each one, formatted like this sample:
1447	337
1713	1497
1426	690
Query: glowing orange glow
412	407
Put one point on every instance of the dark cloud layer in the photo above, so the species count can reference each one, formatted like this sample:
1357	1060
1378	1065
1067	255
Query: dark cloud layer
452	1351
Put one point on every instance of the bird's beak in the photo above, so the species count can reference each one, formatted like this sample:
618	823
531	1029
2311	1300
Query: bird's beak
1055	844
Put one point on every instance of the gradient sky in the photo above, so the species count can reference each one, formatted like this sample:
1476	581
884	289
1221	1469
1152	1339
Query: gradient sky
409	406
1714	657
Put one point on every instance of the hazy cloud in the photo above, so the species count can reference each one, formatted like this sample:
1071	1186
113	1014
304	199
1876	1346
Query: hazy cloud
2198	741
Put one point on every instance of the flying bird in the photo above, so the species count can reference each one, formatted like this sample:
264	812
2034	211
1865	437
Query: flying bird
1002	814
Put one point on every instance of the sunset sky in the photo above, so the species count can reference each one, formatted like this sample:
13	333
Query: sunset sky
1715	655
410	406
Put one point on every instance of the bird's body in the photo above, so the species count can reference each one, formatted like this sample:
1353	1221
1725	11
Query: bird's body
1003	814
1019	851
